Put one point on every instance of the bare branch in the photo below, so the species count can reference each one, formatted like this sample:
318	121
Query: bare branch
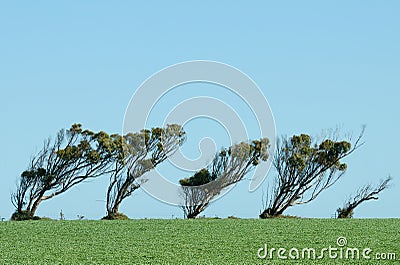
365	193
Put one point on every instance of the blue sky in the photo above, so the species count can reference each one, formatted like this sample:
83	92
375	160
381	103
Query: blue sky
320	64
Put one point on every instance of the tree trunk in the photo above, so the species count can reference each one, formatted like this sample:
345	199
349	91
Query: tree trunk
196	211
35	205
114	210
113	206
193	215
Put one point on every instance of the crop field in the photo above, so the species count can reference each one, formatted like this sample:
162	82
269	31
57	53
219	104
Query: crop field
201	241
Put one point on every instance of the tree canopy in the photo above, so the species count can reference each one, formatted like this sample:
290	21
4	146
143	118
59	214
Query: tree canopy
74	156
228	167
139	153
305	168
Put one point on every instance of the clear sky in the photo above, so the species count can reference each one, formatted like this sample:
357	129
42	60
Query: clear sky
319	63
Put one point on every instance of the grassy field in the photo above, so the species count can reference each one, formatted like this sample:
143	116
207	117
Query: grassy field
203	241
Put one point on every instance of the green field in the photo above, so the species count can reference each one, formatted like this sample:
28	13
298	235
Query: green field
202	241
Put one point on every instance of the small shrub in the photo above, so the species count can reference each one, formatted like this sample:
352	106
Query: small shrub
117	216
23	216
232	217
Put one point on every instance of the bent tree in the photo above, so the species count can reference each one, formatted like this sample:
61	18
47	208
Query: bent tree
139	153
228	167
74	156
305	168
365	193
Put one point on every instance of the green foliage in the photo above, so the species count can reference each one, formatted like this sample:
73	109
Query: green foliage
92	147
254	151
301	155
70	153
76	128
330	151
301	142
199	178
202	241
34	174
93	156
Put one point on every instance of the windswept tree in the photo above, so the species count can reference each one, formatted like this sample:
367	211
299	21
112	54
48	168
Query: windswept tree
139	153
228	167
305	168
365	193
74	156
197	192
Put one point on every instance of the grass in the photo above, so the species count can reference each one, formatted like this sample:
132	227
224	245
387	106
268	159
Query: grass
203	241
